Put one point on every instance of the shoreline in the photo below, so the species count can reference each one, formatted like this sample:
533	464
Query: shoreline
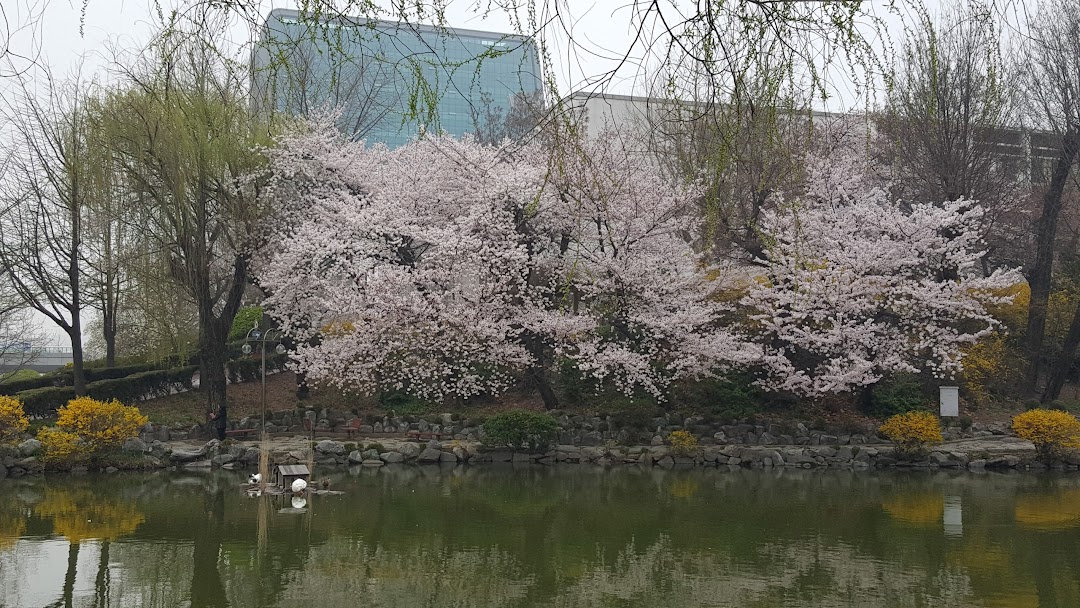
999	452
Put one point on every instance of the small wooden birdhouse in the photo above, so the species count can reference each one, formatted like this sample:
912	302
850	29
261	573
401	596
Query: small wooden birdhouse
285	474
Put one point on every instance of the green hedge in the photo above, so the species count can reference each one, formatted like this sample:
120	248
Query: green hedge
43	381
250	369
42	396
43	402
109	373
65	377
142	386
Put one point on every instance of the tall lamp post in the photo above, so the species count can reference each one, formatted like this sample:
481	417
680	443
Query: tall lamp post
262	337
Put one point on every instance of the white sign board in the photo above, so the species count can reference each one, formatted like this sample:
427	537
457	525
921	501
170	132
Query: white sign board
950	401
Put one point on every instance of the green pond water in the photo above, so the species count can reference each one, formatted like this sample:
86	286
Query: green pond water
533	536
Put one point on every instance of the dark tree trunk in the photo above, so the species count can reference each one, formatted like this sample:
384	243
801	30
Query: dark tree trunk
1060	370
78	380
78	376
212	359
537	374
213	337
110	345
866	397
1041	271
108	326
303	391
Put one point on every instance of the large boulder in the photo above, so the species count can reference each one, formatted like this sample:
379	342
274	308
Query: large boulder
30	447
408	450
182	456
134	444
355	457
392	457
329	446
430	455
223	459
251	455
591	439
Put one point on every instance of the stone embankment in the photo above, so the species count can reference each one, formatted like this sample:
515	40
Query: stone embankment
591	440
579	430
975	454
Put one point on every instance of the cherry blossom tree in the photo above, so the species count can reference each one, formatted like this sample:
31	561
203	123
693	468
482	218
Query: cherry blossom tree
444	268
401	269
858	286
633	306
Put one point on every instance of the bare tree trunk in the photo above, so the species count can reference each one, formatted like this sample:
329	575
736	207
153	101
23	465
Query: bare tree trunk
213	337
75	331
108	329
1041	271
212	379
1060	370
537	374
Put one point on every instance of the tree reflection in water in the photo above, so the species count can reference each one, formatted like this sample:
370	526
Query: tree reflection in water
492	536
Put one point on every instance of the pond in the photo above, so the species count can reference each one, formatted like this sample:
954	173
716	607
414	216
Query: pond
534	536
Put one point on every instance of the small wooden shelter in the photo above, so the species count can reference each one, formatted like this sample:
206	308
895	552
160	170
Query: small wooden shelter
285	474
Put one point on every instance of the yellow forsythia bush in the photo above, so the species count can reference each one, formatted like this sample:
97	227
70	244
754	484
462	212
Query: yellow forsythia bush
912	432
986	364
1053	432
60	445
88	426
13	421
683	443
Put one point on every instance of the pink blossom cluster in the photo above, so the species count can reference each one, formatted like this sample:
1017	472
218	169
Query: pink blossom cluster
857	286
445	268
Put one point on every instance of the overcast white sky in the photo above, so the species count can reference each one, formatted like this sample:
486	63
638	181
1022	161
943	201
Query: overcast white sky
601	30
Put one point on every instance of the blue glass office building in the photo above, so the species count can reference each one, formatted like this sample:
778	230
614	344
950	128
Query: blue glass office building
390	80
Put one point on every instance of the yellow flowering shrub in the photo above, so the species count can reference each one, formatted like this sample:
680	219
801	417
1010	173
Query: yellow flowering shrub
60	445
683	443
13	421
89	426
1013	310
912	432
1053	432
985	365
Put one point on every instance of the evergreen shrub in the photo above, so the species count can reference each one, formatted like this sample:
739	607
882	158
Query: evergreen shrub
521	430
